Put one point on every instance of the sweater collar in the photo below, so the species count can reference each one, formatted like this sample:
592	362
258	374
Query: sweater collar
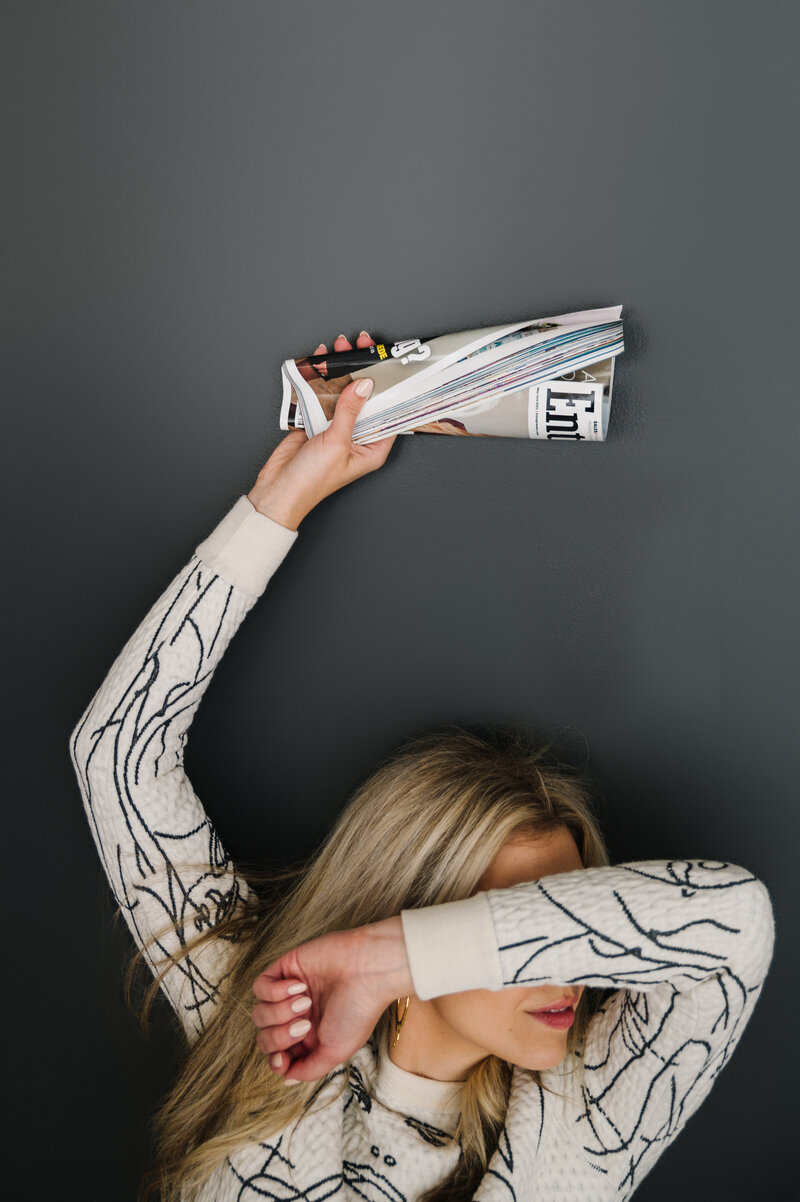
314	1148
412	1094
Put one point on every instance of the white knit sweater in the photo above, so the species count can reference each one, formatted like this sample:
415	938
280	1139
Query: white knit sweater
685	945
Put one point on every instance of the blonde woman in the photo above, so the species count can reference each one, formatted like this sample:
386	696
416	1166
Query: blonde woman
457	996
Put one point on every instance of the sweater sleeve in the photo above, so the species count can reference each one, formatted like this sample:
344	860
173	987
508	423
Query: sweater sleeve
163	860
684	945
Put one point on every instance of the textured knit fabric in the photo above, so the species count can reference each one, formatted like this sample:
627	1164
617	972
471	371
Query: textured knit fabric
685	945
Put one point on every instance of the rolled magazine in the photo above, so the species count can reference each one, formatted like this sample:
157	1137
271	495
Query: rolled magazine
547	377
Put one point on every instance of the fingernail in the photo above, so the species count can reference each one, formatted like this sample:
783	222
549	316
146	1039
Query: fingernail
297	988
300	1028
301	1004
291	1081
364	387
338	336
364	334
276	1059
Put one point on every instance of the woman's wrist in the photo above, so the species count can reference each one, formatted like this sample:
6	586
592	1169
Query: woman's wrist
277	506
383	961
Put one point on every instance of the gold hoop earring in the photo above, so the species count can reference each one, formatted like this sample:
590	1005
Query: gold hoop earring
399	1019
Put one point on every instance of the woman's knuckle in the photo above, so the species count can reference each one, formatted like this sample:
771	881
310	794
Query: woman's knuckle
278	1013
260	1014
264	1041
273	1014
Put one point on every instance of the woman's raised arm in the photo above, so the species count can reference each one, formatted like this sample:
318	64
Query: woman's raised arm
163	859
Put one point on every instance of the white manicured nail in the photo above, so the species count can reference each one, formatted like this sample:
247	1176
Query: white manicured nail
276	1059
299	988
300	1028
302	1003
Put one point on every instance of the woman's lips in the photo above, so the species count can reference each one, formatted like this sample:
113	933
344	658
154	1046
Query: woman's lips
560	1019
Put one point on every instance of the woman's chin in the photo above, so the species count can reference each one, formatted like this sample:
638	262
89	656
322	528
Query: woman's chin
543	1058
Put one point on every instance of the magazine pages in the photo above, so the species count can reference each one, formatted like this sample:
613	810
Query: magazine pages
542	378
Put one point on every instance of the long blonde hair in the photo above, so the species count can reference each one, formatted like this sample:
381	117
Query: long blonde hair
422	829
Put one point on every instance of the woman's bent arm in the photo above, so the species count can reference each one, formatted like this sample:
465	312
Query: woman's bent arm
686	945
163	859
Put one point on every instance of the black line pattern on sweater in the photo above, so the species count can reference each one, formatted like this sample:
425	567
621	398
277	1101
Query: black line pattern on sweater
261	1181
702	933
131	736
431	1135
684	945
365	1181
359	1089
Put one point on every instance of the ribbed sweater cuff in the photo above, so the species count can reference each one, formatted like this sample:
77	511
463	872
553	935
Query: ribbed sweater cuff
247	547
452	947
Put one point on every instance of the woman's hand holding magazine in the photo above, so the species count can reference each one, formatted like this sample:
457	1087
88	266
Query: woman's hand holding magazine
302	471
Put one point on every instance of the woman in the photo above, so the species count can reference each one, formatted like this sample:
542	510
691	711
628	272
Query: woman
457	996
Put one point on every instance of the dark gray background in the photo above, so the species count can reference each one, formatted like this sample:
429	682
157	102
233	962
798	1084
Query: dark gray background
195	191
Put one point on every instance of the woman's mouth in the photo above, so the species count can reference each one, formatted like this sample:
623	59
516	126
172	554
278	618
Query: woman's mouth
560	1019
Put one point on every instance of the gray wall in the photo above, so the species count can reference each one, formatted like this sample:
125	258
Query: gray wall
196	190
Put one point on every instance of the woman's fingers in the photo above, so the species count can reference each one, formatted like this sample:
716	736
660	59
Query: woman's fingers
340	343
271	1014
269	986
348	403
375	453
313	1065
348	406
283	1036
281	1015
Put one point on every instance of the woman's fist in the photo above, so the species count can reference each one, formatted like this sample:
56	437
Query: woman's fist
338	1006
302	471
350	976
